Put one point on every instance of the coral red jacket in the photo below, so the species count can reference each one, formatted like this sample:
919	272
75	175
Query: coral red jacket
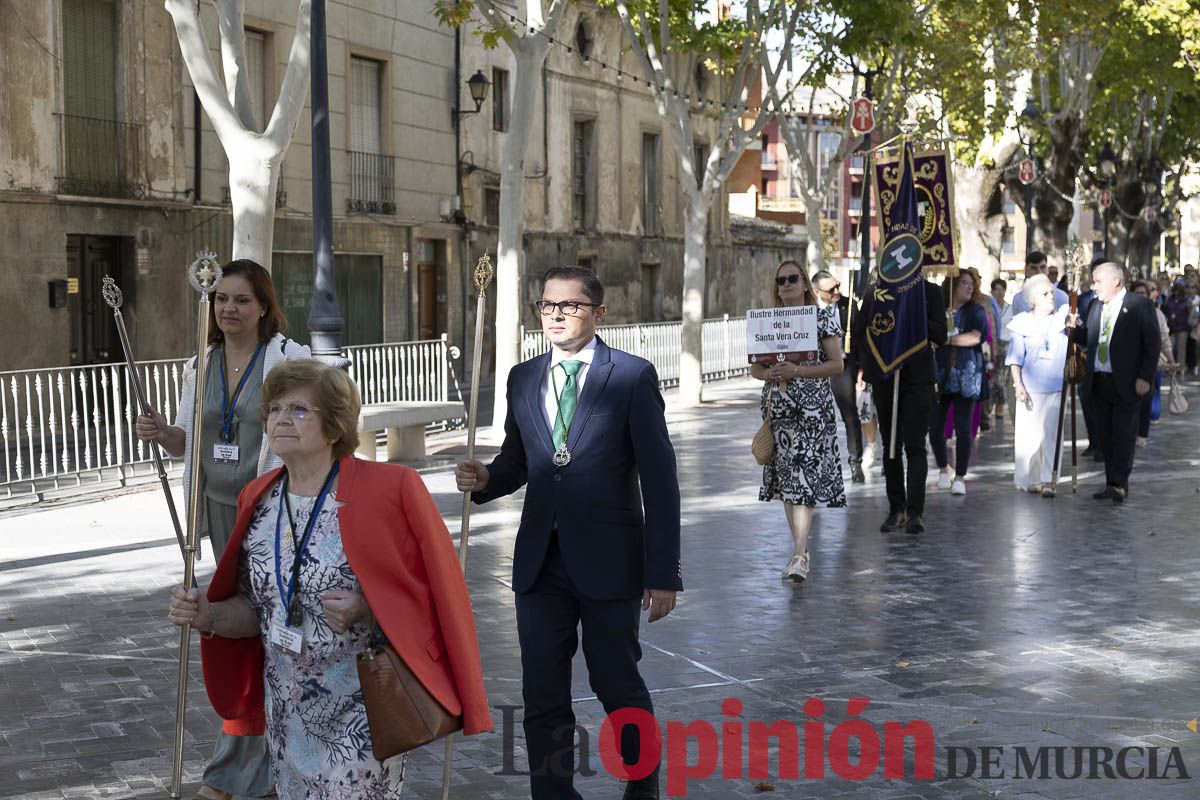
400	551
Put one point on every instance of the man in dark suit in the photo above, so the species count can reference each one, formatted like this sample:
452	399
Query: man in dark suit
829	292
599	536
1123	343
917	377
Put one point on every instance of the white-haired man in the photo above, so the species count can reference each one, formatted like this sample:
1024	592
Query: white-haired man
1122	340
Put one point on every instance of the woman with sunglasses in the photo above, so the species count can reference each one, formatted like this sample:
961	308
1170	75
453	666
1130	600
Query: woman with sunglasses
805	470
245	343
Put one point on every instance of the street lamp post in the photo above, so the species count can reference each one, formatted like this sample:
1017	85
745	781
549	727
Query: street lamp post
325	323
1151	187
1027	123
1108	170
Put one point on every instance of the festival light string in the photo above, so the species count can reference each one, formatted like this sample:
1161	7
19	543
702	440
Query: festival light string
636	78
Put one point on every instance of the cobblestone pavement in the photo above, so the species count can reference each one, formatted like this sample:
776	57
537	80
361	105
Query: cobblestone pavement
1015	621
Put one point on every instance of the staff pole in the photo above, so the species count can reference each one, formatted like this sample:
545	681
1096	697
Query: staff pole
113	296
895	412
203	274
482	278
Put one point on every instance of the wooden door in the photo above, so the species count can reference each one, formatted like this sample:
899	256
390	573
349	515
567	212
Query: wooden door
93	332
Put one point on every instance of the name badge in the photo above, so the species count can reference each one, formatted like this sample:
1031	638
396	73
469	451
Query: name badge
225	453
286	639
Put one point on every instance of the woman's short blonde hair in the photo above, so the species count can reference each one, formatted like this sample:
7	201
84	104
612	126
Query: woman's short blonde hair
334	394
1033	285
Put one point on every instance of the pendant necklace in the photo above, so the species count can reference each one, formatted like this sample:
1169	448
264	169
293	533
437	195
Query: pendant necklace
562	456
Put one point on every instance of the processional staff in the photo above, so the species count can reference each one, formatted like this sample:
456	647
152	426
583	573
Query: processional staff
204	274
1073	370
113	296
482	278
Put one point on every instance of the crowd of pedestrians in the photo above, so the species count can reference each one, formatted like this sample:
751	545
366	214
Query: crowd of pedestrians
988	356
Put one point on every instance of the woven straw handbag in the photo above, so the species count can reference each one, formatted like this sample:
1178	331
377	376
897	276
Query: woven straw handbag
1177	402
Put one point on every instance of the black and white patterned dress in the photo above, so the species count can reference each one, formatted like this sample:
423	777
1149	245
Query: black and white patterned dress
806	469
316	721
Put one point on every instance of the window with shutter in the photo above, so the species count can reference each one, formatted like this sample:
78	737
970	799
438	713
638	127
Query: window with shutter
582	177
89	58
499	100
650	184
364	106
255	66
92	138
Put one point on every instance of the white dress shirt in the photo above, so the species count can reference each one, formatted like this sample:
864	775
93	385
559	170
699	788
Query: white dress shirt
1116	302
557	378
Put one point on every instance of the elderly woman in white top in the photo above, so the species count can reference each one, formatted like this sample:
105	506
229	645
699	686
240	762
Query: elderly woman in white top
1037	355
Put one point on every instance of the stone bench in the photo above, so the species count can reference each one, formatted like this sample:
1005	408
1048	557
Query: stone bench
405	425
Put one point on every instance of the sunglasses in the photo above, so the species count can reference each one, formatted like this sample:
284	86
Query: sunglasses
783	280
835	289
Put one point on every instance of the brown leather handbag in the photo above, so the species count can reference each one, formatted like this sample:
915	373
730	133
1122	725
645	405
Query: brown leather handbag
401	713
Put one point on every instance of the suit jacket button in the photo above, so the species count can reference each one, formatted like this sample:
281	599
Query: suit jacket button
557	477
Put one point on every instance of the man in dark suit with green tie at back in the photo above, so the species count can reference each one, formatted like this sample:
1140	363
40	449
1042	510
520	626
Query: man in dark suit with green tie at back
1123	342
599	536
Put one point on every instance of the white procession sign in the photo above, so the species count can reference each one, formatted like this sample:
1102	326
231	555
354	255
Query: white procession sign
782	334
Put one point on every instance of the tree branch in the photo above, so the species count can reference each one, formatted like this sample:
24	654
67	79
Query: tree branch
193	44
231	22
293	92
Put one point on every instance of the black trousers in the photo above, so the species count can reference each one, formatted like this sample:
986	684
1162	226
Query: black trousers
1089	414
548	620
964	411
845	395
1116	429
912	427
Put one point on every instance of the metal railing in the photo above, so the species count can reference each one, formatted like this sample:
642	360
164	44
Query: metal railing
401	372
372	178
723	346
65	426
100	157
71	426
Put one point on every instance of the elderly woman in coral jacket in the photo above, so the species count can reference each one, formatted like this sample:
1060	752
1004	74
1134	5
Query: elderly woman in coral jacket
327	554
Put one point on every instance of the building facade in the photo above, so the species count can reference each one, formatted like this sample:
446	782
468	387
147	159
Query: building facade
108	166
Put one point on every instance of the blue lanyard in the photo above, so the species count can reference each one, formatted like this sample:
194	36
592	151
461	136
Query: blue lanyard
229	406
288	594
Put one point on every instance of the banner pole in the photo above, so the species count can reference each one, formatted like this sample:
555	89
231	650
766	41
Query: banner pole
895	412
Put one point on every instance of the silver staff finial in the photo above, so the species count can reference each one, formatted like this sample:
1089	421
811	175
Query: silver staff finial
111	293
204	273
484	273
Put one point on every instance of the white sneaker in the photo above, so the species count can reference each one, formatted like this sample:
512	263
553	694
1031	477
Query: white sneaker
797	568
958	487
868	458
944	479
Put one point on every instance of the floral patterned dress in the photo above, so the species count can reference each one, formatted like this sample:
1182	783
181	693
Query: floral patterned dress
806	469
317	729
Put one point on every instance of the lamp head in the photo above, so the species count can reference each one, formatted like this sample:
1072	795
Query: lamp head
478	85
1108	162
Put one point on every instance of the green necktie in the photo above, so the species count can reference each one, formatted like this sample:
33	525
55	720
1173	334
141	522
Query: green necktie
1105	332
568	398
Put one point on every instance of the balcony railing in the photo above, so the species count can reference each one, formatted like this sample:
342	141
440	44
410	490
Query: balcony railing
768	161
372	177
100	157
